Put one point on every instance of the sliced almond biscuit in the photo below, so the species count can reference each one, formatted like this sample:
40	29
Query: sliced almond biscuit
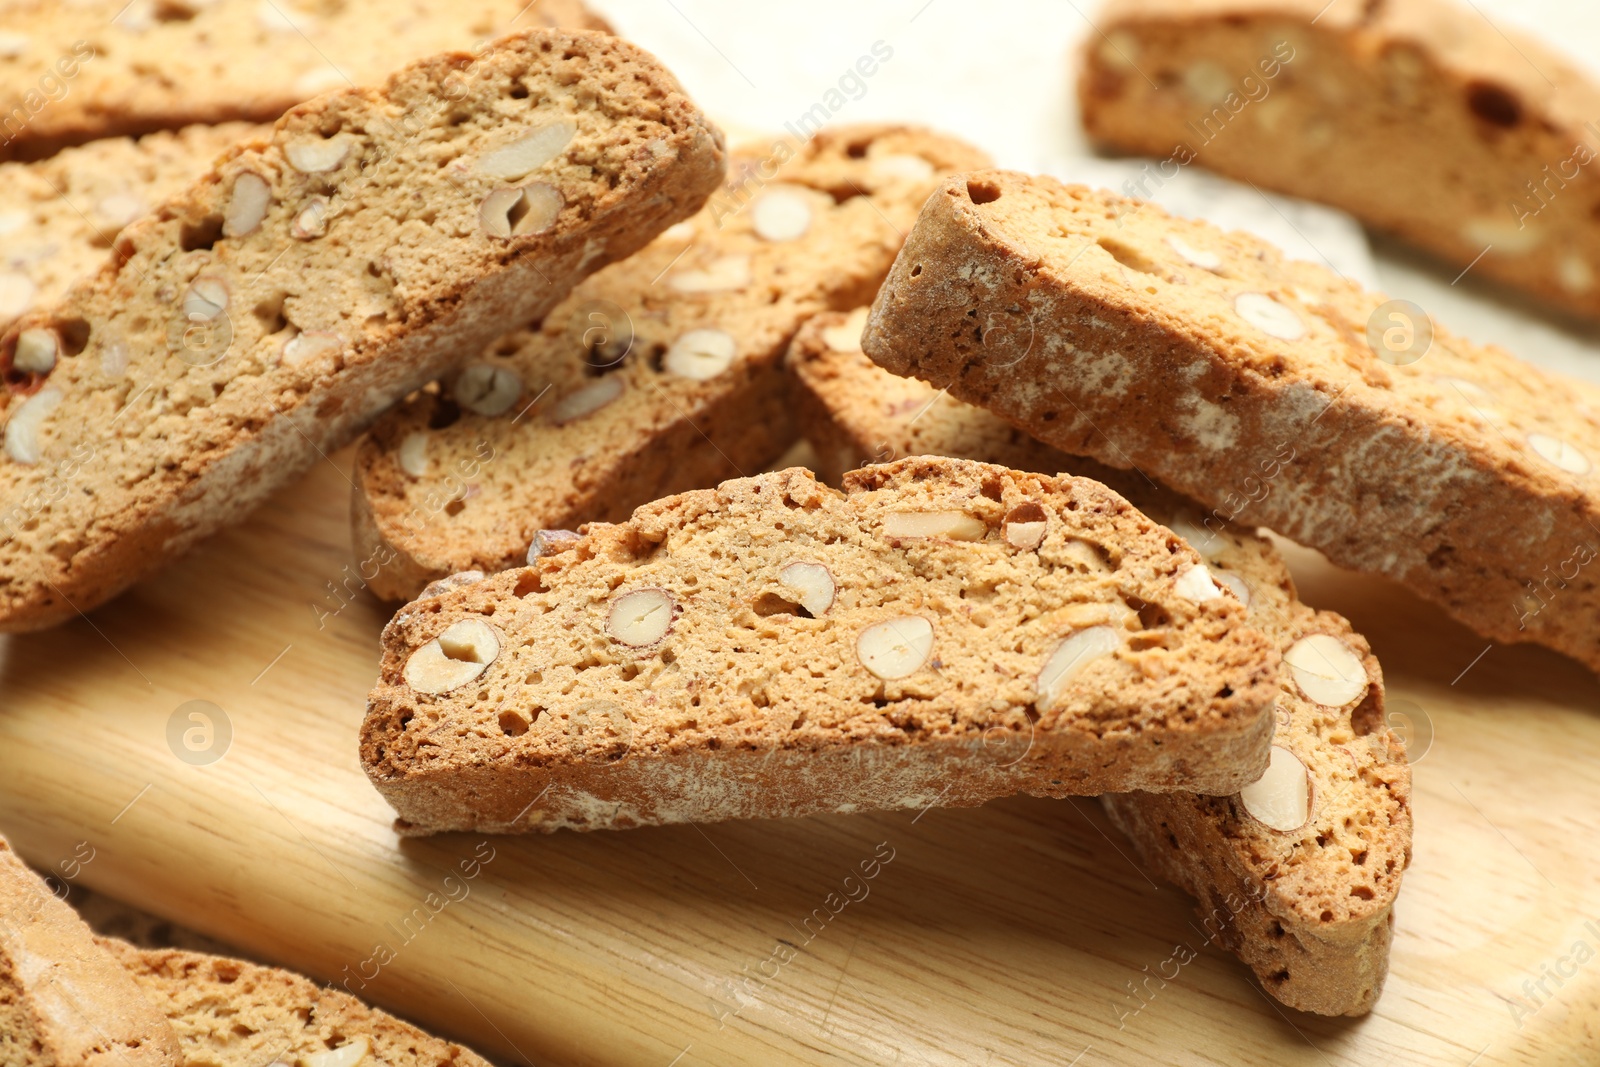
59	216
658	375
221	351
82	70
1420	117
229	1013
1271	391
62	999
774	647
1311	855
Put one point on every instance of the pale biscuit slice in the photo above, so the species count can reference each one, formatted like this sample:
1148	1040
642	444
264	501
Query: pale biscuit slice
311	279
62	999
657	375
73	71
59	216
774	647
1420	117
1270	390
1309	906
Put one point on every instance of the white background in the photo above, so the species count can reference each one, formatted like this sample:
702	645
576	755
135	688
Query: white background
1001	76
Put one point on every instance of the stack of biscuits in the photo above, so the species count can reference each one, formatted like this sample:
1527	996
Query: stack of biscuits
508	258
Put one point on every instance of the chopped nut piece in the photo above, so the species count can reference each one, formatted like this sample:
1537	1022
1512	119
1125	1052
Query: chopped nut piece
206	299
586	401
641	618
896	648
1281	798
315	155
721	275
903	166
1326	670
529	152
516	212
700	355
1559	453
781	214
487	389
1025	526
813	584
311	221
463	652
22	429
1195	584
36	351
550	542
350	1054
1269	316
846	337
413	454
451	581
1068	659
248	205
305	347
956	525
1193	256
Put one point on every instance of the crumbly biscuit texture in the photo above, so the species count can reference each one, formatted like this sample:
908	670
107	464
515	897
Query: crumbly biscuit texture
657	375
59	216
1417	116
1272	391
73	71
62	999
776	647
229	1013
1308	907
312	278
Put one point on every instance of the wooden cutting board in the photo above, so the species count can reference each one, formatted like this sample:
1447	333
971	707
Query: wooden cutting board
1012	934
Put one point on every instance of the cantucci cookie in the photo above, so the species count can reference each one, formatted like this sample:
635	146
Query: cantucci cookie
1272	391
59	216
229	1013
78	71
942	632
63	1000
271	311
658	375
1311	856
1418	116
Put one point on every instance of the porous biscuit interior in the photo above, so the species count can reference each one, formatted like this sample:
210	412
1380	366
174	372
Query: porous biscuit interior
357	230
59	217
595	397
745	666
1344	866
74	72
229	1013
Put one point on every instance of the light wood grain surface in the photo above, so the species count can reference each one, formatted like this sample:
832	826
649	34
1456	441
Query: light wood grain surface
1003	935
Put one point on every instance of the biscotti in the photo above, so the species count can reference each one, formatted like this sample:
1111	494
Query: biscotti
1298	873
658	375
59	216
942	632
271	311
63	1000
229	1013
1419	117
89	69
1272	391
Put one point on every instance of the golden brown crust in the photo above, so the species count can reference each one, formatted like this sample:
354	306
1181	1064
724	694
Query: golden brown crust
1420	117
91	69
63	1000
753	705
180	416
1309	911
474	488
1248	382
